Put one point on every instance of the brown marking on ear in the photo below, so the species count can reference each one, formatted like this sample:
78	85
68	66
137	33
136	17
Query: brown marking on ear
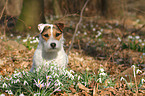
60	26
46	33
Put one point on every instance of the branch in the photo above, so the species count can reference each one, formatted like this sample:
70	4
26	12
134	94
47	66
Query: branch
3	9
81	15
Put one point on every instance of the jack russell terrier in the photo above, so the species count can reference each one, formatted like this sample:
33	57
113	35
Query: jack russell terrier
50	48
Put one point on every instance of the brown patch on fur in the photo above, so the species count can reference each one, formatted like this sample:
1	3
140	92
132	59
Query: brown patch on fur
47	33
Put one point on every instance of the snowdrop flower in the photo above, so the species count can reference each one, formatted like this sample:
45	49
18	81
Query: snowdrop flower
142	44
109	26
31	42
22	94
122	78
37	94
92	25
5	85
58	83
85	33
119	39
99	80
33	37
79	77
103	74
9	92
18	37
142	81
94	29
137	37
101	30
17	81
138	71
2	38
140	40
101	70
2	95
96	25
79	32
11	35
84	26
25	82
34	41
130	37
24	40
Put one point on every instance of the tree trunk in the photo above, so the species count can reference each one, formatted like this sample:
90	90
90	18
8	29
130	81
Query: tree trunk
32	14
56	8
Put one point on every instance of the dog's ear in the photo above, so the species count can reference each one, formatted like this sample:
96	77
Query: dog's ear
41	27
60	26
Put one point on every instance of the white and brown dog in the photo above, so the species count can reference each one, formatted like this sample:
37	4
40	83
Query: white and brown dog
50	47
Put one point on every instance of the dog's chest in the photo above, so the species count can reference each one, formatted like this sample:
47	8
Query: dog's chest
59	58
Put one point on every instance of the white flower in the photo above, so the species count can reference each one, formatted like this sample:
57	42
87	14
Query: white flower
140	40
142	44
2	38
9	92
133	66
130	37
122	78
22	94
24	40
142	81
5	85
11	35
101	70
34	41
138	71
25	82
17	81
37	94
99	80
96	25
92	25
85	33
79	77
2	95
137	37
31	42
18	37
143	53
84	26
78	32
103	74
119	39
101	30
58	83
94	29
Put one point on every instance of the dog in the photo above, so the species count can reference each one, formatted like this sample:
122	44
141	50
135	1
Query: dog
50	48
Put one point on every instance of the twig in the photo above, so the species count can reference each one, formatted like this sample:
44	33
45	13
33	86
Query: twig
3	9
81	15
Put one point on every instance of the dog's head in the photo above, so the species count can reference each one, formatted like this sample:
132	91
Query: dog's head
51	36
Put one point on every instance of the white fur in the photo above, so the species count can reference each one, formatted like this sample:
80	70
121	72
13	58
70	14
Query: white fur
44	54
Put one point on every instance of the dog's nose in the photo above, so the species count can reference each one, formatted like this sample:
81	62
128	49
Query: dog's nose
53	45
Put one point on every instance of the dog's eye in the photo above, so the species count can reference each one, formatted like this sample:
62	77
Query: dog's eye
46	35
57	34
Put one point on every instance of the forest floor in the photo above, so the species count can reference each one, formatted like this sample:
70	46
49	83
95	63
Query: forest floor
113	45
